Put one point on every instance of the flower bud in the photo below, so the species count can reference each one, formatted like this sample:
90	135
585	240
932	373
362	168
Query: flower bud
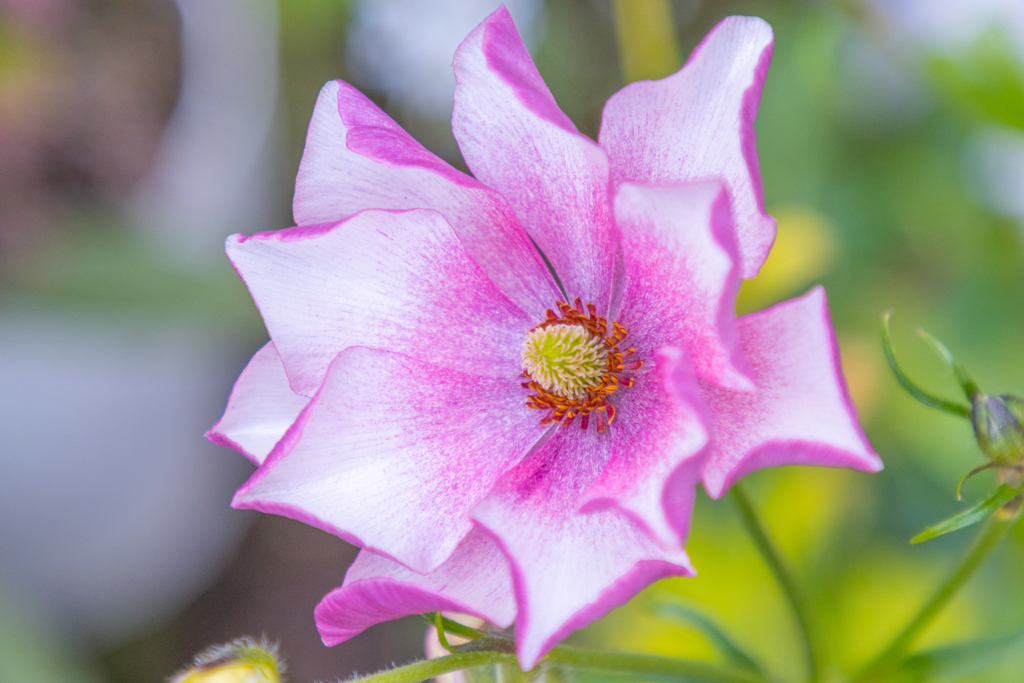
999	427
240	661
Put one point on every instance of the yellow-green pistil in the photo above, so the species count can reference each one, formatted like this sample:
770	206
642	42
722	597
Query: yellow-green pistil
566	360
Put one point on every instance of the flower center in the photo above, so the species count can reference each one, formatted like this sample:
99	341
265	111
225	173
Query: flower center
574	365
565	359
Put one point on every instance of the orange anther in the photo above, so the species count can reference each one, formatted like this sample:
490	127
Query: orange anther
564	410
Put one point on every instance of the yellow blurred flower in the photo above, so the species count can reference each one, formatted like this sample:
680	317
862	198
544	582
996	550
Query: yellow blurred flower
864	368
803	251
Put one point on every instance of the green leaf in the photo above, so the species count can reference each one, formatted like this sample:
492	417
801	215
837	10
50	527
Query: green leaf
1003	495
452	626
915	391
648	666
985	81
441	637
718	637
962	659
561	657
969	386
427	669
976	470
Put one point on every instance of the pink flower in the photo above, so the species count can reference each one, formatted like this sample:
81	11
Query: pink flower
426	397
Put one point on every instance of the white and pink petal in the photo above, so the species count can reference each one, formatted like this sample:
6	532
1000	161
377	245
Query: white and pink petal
801	413
516	140
568	568
681	277
698	124
358	158
392	454
260	409
396	280
656	451
474	580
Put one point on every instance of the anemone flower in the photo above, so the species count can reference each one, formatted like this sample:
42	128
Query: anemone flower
505	388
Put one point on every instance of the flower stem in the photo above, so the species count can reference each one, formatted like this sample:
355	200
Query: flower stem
428	668
451	626
987	540
784	577
648	665
612	662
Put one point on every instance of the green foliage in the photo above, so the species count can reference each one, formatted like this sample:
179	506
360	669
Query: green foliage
958	660
922	396
723	642
30	653
986	81
1002	495
968	385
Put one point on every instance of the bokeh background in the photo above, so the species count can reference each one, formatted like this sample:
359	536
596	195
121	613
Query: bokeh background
136	134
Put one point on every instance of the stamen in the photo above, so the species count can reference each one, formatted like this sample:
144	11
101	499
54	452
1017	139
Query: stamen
565	359
574	366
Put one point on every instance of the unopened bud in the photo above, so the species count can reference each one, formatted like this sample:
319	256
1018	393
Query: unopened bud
241	661
999	427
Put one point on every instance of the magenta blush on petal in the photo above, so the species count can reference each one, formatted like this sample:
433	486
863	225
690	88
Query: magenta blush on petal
698	124
507	56
801	413
474	580
568	568
396	280
396	452
681	276
374	135
357	158
497	443
515	140
661	428
260	409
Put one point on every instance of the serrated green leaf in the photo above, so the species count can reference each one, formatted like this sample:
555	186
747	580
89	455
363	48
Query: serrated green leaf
1002	495
915	391
725	645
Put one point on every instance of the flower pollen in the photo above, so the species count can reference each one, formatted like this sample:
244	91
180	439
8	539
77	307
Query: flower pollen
574	365
565	359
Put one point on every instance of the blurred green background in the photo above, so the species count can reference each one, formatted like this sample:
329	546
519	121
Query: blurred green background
888	149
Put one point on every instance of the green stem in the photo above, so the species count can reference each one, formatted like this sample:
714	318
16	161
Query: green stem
784	577
648	665
441	637
609	662
632	665
894	652
428	668
451	626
